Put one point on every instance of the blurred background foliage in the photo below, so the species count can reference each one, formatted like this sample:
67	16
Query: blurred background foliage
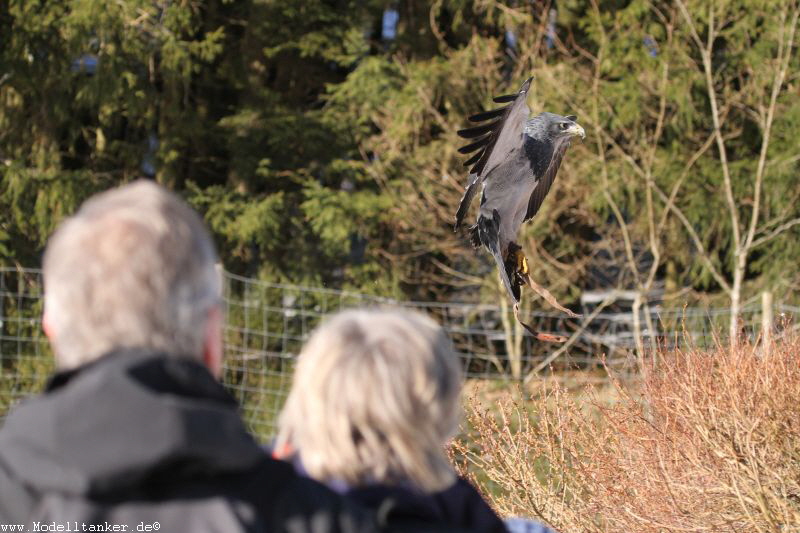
318	137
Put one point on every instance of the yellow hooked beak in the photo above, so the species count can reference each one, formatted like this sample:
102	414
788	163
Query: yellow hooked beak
576	129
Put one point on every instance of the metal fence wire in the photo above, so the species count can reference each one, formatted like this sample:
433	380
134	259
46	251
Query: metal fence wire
267	323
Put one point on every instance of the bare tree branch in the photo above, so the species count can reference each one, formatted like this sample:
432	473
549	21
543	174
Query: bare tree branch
774	233
695	238
784	55
705	54
572	339
679	182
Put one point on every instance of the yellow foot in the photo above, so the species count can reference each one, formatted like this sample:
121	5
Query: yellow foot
521	262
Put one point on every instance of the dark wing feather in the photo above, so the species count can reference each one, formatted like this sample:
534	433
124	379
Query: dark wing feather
472	159
477	131
505	98
546	181
486	115
474	146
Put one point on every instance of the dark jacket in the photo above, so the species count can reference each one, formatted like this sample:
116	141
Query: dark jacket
459	507
136	438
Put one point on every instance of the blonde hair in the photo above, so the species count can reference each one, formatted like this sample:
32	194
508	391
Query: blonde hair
375	397
133	268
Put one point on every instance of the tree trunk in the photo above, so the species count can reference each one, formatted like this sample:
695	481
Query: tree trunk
637	326
766	320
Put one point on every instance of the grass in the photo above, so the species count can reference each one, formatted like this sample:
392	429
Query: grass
708	440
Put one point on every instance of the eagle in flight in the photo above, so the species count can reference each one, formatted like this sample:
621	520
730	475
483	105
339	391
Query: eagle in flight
517	158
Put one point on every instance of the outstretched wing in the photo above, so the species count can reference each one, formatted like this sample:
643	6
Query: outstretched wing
546	180
494	141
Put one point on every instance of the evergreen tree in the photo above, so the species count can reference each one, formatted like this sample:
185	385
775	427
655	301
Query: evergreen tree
318	137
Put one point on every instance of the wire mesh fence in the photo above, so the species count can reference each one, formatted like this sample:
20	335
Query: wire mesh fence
267	323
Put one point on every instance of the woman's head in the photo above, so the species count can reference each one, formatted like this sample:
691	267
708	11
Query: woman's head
375	397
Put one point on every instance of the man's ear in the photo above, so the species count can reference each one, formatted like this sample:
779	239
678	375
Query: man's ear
212	342
47	327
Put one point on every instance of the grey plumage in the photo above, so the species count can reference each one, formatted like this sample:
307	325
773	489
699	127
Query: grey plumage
516	162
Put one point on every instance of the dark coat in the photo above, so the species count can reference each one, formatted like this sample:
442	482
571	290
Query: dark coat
460	507
136	438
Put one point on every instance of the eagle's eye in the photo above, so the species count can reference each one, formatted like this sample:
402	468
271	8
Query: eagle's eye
562	125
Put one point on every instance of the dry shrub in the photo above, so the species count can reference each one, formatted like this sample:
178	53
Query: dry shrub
707	441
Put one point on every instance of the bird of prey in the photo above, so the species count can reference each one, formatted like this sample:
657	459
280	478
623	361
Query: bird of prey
517	158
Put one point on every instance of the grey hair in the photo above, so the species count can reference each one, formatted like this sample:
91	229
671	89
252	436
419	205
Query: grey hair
134	267
375	398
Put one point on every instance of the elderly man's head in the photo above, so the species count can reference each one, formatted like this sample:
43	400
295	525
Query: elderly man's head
134	268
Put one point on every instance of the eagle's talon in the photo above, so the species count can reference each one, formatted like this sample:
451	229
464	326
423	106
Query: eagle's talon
521	261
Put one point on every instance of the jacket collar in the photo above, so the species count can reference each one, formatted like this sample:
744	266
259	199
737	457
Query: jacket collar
129	417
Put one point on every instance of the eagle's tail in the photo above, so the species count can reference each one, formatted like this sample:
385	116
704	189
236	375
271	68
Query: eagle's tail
487	233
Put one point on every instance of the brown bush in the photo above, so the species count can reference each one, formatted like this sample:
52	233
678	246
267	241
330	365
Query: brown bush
705	441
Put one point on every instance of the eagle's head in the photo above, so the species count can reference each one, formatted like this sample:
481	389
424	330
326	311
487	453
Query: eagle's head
549	127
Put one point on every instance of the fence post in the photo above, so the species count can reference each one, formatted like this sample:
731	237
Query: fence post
766	318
